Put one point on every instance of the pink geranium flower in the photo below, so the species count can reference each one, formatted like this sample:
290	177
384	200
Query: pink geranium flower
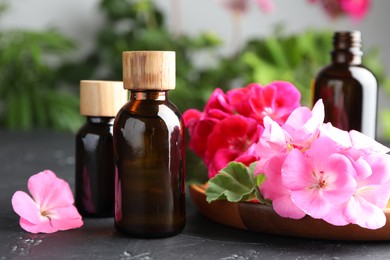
365	207
51	206
276	100
320	179
231	124
357	9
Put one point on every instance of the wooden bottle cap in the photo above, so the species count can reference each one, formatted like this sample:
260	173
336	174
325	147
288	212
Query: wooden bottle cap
149	70
101	98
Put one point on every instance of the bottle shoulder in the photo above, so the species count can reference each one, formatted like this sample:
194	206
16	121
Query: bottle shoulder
100	129
147	108
343	71
156	115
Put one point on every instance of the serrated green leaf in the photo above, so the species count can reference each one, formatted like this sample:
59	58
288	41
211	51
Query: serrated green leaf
234	183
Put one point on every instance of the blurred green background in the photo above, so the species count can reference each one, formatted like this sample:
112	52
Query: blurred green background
39	82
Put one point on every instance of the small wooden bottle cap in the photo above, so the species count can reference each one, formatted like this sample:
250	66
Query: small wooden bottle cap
149	70
101	98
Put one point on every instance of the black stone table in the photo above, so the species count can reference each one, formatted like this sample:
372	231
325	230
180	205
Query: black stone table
23	154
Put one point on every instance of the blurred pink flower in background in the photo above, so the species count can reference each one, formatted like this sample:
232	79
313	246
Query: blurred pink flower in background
356	9
241	6
237	8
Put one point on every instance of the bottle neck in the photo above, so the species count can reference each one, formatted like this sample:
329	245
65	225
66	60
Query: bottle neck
347	48
100	119
154	95
346	57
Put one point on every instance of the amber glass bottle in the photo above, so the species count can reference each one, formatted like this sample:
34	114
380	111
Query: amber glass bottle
95	168
149	149
347	88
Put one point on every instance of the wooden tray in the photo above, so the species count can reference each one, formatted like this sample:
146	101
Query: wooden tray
262	218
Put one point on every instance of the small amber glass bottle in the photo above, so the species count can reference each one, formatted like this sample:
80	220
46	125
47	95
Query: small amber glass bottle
149	149
348	89
95	168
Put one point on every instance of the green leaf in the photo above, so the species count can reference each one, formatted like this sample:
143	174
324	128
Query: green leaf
260	179
277	52
25	115
234	183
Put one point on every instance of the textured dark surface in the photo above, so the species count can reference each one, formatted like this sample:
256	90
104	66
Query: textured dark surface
24	154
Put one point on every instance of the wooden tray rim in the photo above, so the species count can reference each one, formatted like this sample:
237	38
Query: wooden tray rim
241	215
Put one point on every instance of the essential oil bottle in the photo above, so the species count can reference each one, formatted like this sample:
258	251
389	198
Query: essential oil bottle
149	149
348	89
95	167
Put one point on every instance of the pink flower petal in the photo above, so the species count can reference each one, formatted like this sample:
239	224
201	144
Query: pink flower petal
26	207
298	118
238	98
273	188
272	141
47	189
191	117
284	207
374	184
365	214
65	218
295	171
361	141
42	227
339	136
233	135
306	123
218	100
336	215
220	159
201	132
312	201
378	195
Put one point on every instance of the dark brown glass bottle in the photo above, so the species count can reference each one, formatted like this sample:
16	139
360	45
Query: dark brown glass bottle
348	89
95	167
149	149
